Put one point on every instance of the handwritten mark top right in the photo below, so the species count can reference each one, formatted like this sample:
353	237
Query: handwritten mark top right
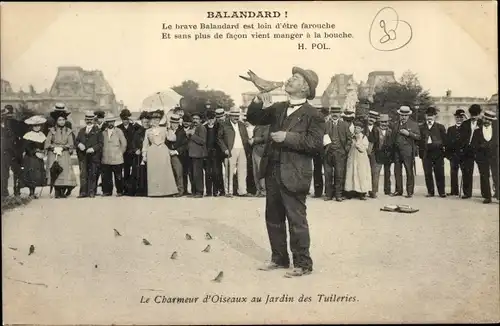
388	32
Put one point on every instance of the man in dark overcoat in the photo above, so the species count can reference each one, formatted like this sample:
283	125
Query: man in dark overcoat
382	153
432	151
89	142
296	135
11	137
178	148
129	129
197	148
453	151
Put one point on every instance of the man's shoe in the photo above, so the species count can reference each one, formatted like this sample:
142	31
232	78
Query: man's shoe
106	195
373	195
272	266
395	194
409	196
339	199
442	195
328	198
198	196
487	201
429	195
245	195
229	195
178	195
296	272
119	195
92	196
452	194
81	196
466	197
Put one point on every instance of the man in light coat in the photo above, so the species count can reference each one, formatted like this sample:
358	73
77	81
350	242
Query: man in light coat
114	145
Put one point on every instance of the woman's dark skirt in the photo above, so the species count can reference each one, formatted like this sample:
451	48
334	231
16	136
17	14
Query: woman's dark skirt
33	172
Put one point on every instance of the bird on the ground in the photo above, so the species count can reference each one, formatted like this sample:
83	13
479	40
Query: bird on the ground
32	250
146	242
208	236
219	277
117	234
174	255
207	249
12	248
188	237
262	85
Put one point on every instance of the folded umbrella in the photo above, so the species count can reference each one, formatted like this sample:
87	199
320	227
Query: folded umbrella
55	170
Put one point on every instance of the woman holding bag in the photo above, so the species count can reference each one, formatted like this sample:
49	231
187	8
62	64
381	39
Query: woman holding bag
59	145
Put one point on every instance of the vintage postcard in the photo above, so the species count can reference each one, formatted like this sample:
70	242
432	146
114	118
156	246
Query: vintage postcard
249	162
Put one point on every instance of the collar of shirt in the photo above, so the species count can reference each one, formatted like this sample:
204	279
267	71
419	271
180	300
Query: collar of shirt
89	128
298	102
430	125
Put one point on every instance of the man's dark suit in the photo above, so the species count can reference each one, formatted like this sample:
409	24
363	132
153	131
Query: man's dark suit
405	148
129	155
213	164
181	146
287	167
336	157
472	146
382	155
477	149
431	150
12	153
197	152
455	155
89	163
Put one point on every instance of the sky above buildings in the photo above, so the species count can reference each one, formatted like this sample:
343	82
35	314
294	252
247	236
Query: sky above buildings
124	41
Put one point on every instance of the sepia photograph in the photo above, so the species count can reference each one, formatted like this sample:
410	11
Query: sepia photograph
202	163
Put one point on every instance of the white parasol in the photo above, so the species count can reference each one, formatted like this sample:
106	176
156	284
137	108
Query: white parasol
165	100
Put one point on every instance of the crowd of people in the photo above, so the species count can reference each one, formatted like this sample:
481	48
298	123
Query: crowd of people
218	153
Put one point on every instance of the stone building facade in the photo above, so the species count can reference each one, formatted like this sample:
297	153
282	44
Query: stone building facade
79	89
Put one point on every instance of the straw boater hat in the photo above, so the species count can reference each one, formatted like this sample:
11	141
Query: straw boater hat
404	110
490	115
60	110
220	112
35	120
89	115
373	115
336	110
475	110
235	112
431	111
311	78
175	118
383	118
110	118
349	114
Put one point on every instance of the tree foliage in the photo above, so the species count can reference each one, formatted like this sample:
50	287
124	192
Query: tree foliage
195	98
407	91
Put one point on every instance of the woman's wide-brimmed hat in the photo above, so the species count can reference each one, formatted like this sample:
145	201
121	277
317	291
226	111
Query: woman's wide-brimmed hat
490	115
60	110
404	110
158	114
35	120
145	115
311	78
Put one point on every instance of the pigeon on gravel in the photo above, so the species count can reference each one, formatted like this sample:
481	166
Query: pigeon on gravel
188	237
146	242
32	250
219	277
208	236
174	255
117	234
207	249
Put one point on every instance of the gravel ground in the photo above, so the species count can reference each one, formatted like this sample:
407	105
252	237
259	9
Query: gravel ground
440	264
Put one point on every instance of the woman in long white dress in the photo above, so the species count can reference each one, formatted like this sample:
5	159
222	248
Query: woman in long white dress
161	181
358	175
